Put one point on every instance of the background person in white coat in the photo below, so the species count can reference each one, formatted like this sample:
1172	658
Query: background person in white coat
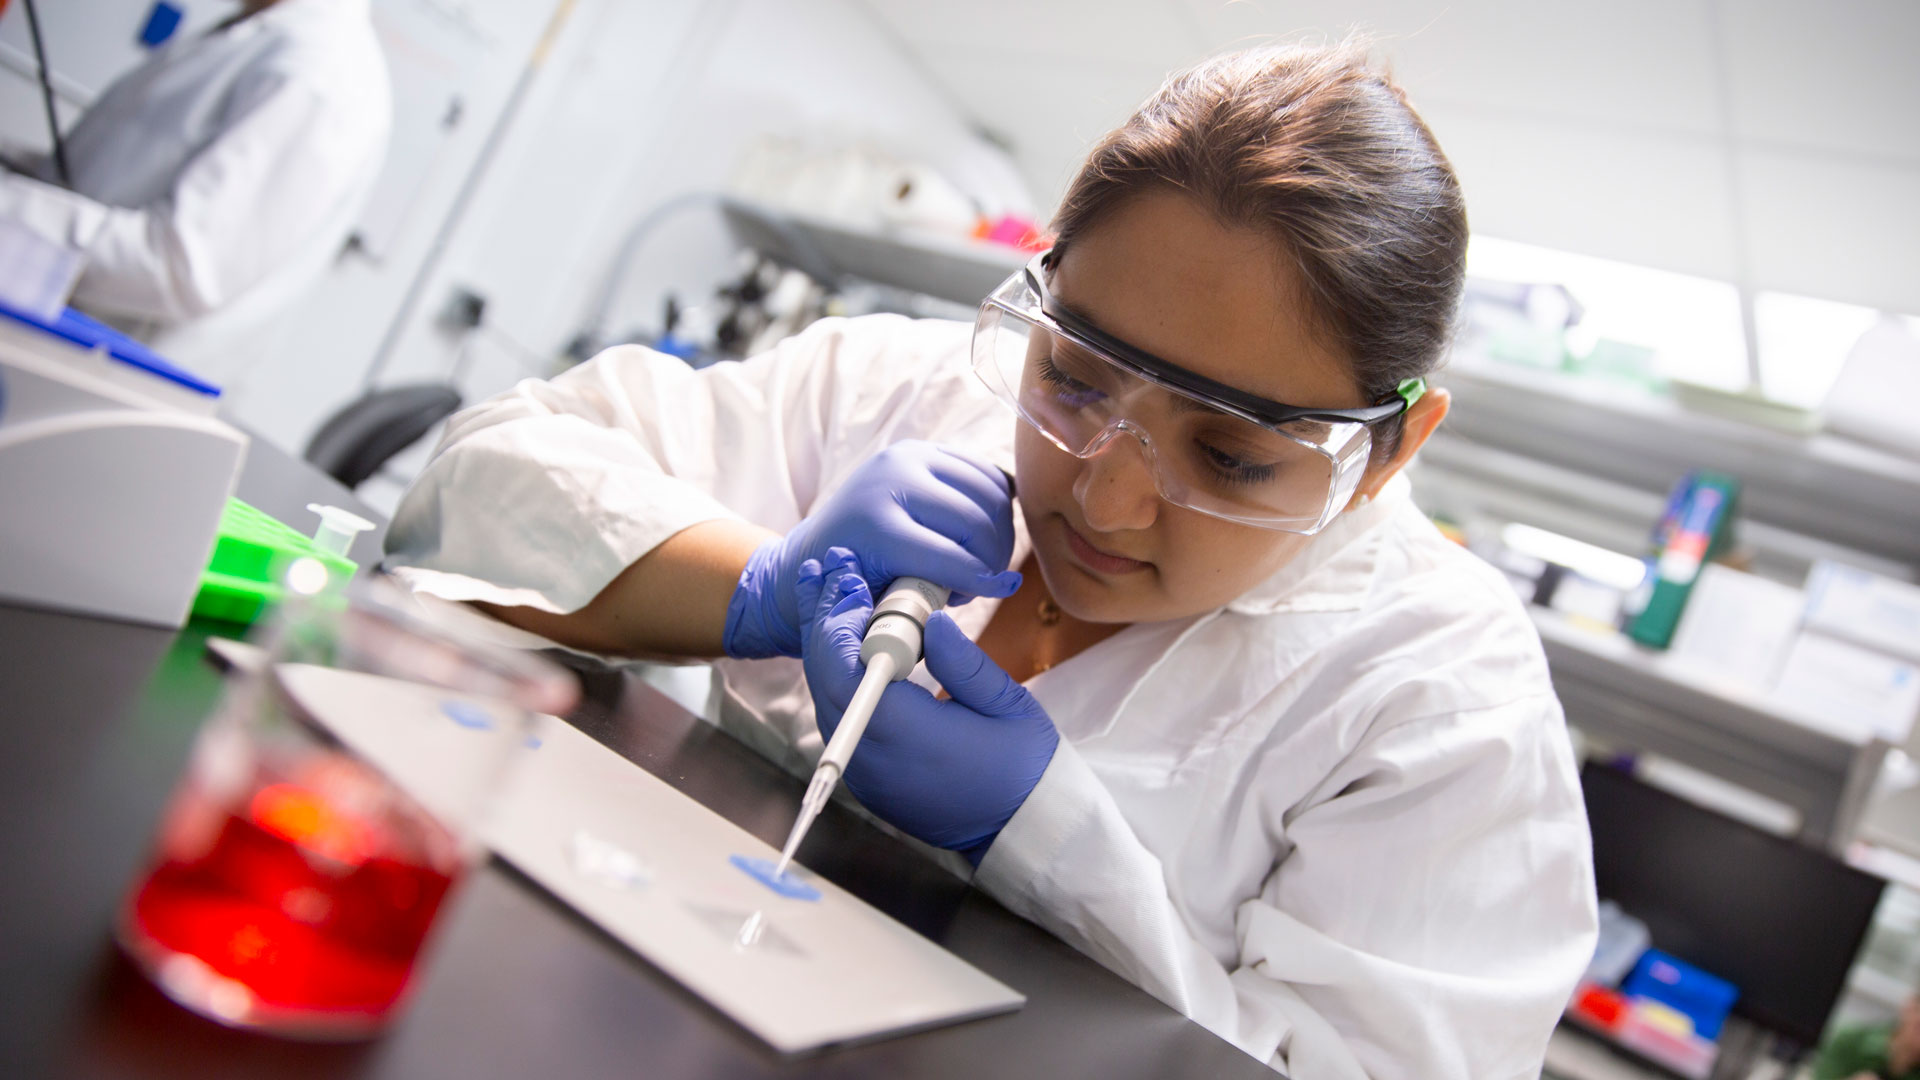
212	184
1254	734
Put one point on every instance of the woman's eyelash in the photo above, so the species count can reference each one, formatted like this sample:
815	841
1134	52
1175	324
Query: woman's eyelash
1225	466
1071	390
1234	471
1059	378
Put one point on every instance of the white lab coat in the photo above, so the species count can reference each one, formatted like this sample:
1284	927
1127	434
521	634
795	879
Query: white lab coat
214	182
1336	821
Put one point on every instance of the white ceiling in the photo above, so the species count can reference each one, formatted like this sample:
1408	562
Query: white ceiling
1773	141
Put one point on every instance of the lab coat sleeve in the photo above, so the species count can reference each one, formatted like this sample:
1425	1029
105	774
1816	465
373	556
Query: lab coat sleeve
243	206
24	159
541	496
1428	920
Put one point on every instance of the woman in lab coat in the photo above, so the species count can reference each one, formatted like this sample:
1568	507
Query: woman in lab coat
213	183
1243	727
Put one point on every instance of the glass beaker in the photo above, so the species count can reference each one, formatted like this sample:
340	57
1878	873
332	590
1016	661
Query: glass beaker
331	805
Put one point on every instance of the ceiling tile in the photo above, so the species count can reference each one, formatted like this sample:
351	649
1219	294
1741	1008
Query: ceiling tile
1657	200
1645	62
1232	24
1833	228
1840	74
1153	32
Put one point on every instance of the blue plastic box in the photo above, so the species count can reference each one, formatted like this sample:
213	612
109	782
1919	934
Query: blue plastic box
1703	998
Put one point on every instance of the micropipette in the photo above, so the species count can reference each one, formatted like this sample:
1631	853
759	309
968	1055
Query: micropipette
890	650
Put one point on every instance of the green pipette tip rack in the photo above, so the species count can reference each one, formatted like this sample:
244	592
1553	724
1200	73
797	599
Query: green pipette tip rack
250	561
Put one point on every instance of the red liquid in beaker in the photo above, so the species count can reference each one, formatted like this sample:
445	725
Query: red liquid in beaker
303	907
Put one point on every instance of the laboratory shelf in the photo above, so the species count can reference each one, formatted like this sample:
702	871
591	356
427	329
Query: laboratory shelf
954	269
1595	462
1833	492
1627	695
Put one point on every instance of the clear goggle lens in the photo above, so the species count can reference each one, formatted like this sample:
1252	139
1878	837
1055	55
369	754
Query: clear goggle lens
1294	478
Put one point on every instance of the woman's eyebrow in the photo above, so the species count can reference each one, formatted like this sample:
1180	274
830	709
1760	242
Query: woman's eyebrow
1076	351
1184	404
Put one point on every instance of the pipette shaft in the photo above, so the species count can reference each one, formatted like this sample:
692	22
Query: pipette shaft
826	775
890	649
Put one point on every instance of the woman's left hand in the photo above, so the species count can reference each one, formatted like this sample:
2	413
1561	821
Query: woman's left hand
951	773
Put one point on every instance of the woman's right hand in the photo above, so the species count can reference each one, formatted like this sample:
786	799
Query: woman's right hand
950	772
914	509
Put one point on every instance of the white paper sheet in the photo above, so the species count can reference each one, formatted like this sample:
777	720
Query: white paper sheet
1739	625
1830	677
651	866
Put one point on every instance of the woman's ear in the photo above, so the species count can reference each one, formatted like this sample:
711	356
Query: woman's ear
1415	429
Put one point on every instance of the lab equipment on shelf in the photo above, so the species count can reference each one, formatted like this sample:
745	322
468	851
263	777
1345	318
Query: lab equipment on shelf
1695	529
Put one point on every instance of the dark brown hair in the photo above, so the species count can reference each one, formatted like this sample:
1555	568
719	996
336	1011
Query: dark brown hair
1311	146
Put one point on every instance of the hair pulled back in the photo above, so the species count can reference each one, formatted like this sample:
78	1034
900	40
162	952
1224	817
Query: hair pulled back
1312	147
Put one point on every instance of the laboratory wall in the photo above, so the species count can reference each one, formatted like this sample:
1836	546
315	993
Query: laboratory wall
529	136
641	104
1770	143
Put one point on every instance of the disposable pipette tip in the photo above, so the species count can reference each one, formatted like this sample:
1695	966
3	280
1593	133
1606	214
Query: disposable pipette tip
793	845
853	722
786	858
819	789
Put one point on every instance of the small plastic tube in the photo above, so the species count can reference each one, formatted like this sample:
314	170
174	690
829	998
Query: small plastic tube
337	529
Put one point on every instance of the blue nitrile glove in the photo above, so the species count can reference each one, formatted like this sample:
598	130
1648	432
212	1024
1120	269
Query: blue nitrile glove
915	509
949	772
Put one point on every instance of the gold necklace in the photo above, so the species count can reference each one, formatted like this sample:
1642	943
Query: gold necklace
1049	615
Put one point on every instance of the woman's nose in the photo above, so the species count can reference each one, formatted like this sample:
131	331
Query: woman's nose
1115	487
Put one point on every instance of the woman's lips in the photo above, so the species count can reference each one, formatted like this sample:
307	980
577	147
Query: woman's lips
1099	561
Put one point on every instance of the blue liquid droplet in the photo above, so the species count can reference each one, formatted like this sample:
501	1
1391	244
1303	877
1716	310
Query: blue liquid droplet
761	870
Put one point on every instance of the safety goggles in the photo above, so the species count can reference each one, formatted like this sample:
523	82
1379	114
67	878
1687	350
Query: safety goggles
1211	447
